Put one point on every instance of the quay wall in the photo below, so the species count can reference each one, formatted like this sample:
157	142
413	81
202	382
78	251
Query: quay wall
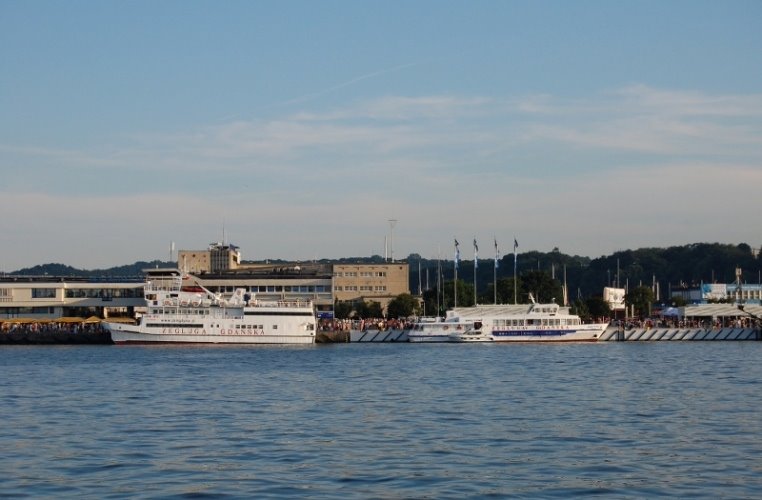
23	336
672	334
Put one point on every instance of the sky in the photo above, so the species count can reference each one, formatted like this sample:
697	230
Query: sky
299	129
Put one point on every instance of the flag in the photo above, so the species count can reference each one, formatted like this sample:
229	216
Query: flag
515	244
476	254
457	253
497	254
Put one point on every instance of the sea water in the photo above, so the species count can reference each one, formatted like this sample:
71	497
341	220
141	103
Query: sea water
627	420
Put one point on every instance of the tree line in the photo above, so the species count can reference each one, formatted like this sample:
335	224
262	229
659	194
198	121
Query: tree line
648	274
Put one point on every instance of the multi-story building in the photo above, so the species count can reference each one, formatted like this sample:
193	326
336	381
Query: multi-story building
219	268
370	282
744	293
217	258
46	297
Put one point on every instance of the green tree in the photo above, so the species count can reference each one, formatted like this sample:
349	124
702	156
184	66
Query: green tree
403	306
580	309
596	308
641	297
542	286
504	291
446	300
369	309
342	309
465	294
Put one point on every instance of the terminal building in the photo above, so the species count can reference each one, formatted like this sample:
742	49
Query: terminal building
220	270
706	293
45	297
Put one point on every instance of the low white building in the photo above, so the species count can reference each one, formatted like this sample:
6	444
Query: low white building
45	297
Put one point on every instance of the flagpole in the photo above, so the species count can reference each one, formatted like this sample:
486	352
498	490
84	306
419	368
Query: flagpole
494	277
439	279
455	274
515	292
476	264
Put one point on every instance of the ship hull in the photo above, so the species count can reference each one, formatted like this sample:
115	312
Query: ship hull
591	333
121	335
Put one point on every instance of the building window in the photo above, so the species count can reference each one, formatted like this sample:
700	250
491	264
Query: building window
43	293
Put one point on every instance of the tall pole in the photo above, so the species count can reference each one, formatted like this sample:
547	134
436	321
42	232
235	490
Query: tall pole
439	280
494	277
515	292
476	265
420	289
455	276
392	223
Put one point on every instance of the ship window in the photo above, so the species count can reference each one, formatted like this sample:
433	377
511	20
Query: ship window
275	327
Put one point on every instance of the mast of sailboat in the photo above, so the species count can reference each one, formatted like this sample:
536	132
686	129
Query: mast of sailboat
420	289
566	289
515	292
494	277
439	281
476	265
455	275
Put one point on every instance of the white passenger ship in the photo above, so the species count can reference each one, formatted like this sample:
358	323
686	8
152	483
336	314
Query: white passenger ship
193	314
507	323
451	329
545	323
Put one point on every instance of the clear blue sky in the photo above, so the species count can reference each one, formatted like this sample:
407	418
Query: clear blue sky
303	127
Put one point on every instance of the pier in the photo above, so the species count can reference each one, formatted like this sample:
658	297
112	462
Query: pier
679	334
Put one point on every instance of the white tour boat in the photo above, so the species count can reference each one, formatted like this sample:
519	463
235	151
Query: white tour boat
530	323
193	314
499	323
475	334
438	330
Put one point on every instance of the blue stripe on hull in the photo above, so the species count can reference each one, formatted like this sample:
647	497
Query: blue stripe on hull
533	333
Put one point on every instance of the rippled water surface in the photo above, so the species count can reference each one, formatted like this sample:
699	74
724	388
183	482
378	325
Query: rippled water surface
622	420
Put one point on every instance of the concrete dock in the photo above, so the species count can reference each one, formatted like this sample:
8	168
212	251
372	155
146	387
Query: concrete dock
671	334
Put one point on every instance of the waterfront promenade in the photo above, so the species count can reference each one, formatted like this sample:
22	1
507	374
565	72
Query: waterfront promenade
73	331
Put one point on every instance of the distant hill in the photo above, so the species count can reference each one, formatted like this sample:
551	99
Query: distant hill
126	271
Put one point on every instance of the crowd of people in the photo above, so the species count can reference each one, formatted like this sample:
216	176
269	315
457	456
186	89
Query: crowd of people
344	325
50	327
675	322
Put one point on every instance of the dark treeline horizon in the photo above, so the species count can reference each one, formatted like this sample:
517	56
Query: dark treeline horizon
675	266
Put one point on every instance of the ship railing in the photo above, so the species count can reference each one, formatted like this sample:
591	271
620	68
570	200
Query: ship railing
280	303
